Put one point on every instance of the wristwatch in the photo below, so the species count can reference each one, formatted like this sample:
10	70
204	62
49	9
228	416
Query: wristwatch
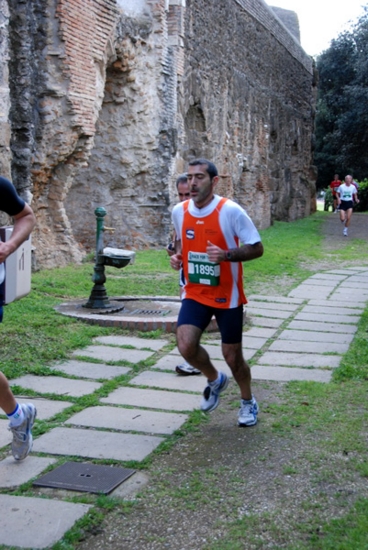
228	256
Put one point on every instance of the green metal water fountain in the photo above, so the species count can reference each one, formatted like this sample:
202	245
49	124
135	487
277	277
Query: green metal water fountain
113	257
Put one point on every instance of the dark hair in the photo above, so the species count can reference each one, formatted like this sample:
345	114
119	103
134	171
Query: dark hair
211	168
183	178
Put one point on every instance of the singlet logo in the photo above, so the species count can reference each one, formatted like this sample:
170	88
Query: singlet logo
190	234
221	300
200	222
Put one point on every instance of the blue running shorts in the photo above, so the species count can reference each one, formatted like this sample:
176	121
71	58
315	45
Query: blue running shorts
229	321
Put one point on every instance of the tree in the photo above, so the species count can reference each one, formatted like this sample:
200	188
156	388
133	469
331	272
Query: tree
342	106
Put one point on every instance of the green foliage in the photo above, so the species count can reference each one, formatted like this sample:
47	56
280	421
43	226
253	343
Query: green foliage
363	197
354	364
328	199
342	105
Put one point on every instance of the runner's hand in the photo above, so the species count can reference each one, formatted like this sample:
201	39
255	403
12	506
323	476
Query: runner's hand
215	253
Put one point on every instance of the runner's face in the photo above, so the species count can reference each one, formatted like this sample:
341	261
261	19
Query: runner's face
200	184
183	191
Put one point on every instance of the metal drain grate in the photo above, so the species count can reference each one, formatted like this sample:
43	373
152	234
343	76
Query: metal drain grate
150	312
85	477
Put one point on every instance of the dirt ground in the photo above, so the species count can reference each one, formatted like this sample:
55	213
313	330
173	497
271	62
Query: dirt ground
219	473
332	229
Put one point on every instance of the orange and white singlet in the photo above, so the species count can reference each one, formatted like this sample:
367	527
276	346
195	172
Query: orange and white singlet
225	224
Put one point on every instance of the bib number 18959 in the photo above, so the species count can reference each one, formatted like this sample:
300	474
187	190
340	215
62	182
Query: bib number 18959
201	270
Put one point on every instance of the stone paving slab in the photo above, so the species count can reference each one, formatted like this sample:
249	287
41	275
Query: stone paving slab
46	408
347	298
278	306
309	336
96	444
56	385
348	271
251	341
5	435
91	370
272	313
308	347
168	362
287	374
14	473
321	282
356	285
331	310
314	360
318	317
260	332
108	353
169	381
322	327
279	299
265	321
334	279
28	522
334	304
137	420
214	352
348	294
140	343
307	291
131	486
153	399
338	301
359	278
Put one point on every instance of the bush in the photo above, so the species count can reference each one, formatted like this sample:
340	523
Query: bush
328	199
363	196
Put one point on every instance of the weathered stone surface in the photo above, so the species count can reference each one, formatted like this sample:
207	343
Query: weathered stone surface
109	103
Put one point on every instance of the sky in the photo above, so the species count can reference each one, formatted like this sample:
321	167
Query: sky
321	20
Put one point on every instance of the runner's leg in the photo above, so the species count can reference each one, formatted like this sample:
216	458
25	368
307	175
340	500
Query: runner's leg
188	340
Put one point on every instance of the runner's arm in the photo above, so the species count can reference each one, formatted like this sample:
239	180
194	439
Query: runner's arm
243	253
23	225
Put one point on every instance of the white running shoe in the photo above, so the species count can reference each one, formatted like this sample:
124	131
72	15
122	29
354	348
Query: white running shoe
211	394
248	412
22	435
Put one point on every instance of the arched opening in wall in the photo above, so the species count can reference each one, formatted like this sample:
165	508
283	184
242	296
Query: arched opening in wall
196	143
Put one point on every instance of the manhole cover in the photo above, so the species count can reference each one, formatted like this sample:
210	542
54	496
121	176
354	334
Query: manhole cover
86	477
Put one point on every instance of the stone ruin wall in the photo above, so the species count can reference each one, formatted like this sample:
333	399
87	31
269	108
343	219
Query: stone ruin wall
110	99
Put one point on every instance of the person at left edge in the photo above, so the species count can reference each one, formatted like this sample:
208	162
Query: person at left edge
21	417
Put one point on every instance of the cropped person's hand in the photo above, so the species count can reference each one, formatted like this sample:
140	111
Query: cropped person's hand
5	251
176	261
170	249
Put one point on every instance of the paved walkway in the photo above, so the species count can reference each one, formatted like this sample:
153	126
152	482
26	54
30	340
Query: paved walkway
298	337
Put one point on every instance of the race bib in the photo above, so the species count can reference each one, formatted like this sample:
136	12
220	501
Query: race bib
201	270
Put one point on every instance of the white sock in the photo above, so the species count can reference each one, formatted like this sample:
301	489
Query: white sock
16	417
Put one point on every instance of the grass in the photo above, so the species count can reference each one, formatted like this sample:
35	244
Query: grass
34	337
